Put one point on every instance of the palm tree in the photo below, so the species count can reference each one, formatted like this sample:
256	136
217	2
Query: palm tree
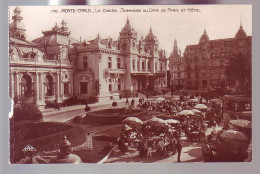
239	70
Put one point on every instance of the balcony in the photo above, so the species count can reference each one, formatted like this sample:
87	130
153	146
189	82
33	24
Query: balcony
115	71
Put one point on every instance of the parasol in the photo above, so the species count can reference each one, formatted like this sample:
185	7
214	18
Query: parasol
241	123
196	111
172	121
175	99
201	106
126	127
160	99
157	121
132	121
193	100
233	135
186	112
216	100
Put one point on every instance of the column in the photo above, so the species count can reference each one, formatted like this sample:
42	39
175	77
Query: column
40	87
36	87
11	86
57	87
17	85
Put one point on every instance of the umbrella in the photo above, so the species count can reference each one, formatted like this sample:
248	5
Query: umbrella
172	121
201	106
193	100
196	111
160	99
157	121
186	112
241	123
126	127
216	100
132	121
233	135
175	99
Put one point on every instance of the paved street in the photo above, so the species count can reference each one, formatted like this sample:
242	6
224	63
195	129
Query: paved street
61	116
67	113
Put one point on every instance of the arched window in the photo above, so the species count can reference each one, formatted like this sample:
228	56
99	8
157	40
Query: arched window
85	62
48	85
26	86
133	63
109	62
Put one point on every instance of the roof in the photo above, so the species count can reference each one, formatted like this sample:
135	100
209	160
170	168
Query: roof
20	42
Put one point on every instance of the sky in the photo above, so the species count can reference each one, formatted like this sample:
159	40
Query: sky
170	22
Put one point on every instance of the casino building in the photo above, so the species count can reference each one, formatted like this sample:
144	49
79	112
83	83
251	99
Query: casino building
205	62
56	66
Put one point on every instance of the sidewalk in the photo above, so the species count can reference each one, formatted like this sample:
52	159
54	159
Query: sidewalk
51	111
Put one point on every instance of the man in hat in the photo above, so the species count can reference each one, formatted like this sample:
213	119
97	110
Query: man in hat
179	148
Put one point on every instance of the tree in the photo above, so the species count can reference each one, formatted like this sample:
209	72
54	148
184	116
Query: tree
240	69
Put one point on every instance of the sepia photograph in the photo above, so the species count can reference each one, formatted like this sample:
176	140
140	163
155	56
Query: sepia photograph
130	84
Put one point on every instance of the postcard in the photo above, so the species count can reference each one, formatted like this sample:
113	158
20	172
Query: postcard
130	84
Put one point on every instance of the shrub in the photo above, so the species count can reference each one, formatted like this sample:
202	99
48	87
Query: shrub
72	101
114	104
49	104
26	111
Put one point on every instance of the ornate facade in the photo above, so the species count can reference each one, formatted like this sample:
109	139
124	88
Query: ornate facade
205	63
56	66
176	67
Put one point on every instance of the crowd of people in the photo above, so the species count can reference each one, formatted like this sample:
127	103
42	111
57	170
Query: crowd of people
168	139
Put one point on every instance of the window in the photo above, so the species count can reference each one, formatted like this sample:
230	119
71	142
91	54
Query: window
48	85
149	65
161	67
138	65
155	66
109	62
119	84
118	63
66	88
85	62
143	65
83	87
133	63
110	87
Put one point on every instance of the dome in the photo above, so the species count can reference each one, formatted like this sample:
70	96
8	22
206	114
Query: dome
240	33
204	38
17	9
128	30
151	37
17	25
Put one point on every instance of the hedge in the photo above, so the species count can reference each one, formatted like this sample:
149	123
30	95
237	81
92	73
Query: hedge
26	111
75	133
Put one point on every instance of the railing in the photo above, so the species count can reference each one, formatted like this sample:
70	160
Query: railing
142	71
115	71
50	98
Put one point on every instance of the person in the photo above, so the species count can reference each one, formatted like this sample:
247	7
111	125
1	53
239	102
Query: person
126	102
133	102
179	148
58	106
87	108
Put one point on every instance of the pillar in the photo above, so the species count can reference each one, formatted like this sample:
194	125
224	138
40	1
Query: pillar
11	86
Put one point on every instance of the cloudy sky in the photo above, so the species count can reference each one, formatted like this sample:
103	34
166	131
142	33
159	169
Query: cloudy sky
167	22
